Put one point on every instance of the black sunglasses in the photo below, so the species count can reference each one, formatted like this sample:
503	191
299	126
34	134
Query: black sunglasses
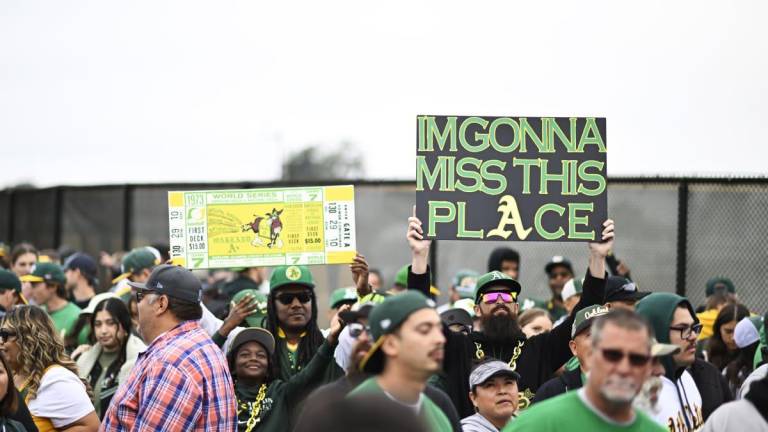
615	356
6	334
141	293
287	298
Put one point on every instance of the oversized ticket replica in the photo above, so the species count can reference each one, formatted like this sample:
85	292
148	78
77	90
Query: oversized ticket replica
262	227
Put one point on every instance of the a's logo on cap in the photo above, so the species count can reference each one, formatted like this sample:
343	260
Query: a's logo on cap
293	273
159	285
430	303
497	275
385	323
598	311
631	287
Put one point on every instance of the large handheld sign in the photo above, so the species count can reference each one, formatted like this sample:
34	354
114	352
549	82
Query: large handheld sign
511	178
262	227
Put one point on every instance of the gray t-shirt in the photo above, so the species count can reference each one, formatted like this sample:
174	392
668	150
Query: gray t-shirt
740	415
477	423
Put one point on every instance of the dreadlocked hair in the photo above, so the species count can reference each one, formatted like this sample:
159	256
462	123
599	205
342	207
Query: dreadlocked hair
309	343
39	346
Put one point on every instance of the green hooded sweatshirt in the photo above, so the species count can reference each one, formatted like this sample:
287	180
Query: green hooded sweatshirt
659	309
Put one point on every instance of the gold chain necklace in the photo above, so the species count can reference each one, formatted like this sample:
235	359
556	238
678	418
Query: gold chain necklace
255	408
480	354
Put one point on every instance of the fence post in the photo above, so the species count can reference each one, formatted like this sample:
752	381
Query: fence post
433	262
682	235
127	210
58	213
11	213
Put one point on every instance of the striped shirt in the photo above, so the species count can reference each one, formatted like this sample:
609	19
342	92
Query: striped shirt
181	382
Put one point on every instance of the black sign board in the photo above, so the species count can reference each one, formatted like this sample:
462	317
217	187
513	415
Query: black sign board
511	178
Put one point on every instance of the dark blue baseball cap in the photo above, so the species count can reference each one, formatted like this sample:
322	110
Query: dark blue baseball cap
173	281
83	262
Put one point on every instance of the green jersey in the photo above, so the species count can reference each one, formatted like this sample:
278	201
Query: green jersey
572	364
432	415
64	318
572	412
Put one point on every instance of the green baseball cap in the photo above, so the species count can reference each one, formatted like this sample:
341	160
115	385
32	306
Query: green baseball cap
46	272
464	282
571	288
135	261
585	316
256	317
342	295
291	275
387	317
495	278
9	280
401	278
719	283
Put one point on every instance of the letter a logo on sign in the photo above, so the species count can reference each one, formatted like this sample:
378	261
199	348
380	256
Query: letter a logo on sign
510	215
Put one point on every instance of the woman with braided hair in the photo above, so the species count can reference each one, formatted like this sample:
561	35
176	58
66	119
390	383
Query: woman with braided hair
44	374
264	401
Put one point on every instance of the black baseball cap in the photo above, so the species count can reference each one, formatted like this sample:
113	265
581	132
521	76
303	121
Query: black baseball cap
173	281
558	261
83	262
618	288
456	316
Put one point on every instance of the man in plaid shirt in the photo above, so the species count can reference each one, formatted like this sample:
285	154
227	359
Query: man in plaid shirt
181	382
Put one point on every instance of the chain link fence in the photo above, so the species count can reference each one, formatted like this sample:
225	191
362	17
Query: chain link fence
673	233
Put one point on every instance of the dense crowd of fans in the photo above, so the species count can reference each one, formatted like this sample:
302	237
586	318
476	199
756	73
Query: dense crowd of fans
164	348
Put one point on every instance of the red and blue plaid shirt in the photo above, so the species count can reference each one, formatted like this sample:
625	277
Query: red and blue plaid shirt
181	382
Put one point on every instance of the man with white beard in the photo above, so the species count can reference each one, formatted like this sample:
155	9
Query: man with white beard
658	397
619	364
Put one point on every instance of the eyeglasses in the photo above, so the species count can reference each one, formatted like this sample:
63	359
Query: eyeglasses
686	331
6	334
140	294
493	297
616	356
356	329
287	298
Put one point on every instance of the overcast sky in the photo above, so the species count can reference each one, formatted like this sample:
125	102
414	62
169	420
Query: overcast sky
103	91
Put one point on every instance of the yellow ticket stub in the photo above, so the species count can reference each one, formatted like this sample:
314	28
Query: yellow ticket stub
262	227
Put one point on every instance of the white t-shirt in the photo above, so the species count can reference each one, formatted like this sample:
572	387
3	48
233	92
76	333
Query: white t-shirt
61	398
668	411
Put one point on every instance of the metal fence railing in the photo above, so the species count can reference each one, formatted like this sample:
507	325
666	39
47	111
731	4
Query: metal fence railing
674	233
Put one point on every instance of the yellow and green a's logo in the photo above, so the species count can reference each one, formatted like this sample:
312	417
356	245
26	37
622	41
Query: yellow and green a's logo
293	273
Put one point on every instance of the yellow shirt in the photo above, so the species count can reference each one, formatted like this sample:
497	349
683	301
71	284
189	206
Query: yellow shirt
707	320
